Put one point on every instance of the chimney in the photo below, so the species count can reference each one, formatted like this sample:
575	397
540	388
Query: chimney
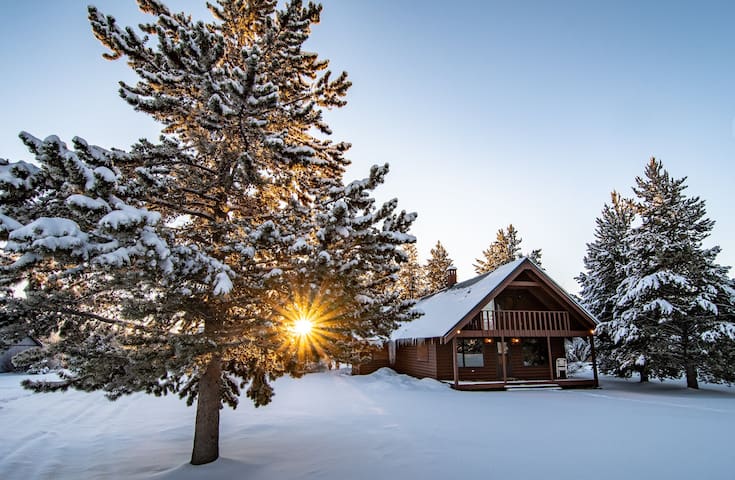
451	276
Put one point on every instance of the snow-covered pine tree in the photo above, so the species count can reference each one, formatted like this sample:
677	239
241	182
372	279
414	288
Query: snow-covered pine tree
672	306
578	350
605	257
604	265
505	249
535	257
183	266
436	268
721	356
411	278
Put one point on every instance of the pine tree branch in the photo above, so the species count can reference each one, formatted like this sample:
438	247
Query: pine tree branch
102	319
179	208
196	165
200	194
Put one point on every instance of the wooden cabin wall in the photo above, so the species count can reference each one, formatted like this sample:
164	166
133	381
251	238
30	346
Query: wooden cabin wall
491	370
438	362
407	360
535	373
444	365
379	360
521	299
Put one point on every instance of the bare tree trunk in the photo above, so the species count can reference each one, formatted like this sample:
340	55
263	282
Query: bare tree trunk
691	372
206	430
644	374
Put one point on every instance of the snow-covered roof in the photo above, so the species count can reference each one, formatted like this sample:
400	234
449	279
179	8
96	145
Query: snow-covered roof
442	310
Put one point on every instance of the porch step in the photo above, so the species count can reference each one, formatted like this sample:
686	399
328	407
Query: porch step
520	387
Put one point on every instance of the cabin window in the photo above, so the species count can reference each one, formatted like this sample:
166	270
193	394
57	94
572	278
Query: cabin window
535	352
422	352
469	352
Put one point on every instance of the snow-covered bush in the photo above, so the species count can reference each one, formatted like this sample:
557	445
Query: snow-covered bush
578	350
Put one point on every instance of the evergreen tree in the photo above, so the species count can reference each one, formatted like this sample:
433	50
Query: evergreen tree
505	249
605	257
186	265
436	269
671	313
719	366
411	278
604	264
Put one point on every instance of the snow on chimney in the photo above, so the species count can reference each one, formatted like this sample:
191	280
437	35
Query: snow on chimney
451	275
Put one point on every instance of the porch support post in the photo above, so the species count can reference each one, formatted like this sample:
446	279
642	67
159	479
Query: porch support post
551	360
455	369
503	354
591	338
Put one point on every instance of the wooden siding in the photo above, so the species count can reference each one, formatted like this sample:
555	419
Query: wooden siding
444	366
379	360
407	360
541	372
489	369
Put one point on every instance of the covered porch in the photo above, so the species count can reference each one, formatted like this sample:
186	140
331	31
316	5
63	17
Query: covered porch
502	349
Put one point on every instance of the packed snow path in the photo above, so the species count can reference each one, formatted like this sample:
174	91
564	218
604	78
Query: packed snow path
334	426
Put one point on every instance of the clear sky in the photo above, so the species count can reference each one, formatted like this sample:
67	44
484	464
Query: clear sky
489	113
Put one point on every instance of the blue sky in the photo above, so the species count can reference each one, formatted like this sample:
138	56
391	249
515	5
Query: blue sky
489	113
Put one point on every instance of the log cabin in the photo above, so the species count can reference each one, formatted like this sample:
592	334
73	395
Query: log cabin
499	330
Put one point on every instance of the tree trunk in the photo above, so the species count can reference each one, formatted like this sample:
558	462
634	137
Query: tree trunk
644	374
691	372
689	369
206	430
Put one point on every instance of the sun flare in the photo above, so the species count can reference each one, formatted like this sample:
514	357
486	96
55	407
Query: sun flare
310	320
303	326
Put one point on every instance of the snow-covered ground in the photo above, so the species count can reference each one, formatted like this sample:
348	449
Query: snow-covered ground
334	426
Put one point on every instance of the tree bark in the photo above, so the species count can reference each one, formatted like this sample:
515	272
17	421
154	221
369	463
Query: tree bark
206	430
691	372
644	374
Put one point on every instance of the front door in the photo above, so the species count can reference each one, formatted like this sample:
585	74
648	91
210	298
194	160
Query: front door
504	359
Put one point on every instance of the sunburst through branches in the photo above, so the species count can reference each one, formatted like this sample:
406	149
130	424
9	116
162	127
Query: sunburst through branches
303	326
311	320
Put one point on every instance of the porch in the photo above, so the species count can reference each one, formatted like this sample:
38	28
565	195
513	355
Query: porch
498	349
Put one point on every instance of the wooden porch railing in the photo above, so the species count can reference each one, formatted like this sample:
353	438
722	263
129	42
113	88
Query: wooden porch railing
516	323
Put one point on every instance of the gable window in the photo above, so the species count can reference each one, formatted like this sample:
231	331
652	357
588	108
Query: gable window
535	352
469	352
